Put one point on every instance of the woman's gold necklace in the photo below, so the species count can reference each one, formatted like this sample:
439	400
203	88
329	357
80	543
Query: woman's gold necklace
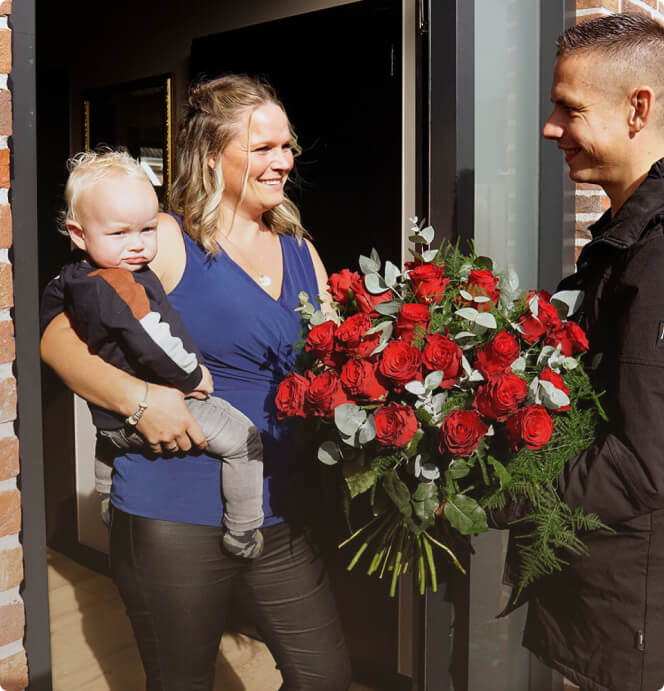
263	279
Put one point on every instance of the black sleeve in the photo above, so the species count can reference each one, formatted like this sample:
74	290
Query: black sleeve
52	302
623	476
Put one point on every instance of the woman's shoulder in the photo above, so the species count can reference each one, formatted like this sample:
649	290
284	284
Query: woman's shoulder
171	254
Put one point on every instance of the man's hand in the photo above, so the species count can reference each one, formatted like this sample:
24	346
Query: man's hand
167	423
205	387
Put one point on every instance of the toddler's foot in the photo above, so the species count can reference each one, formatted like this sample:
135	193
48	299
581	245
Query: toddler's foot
247	544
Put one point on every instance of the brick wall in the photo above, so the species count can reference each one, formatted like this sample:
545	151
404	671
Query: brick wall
13	665
591	202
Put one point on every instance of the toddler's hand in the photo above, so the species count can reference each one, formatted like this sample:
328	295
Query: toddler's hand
205	387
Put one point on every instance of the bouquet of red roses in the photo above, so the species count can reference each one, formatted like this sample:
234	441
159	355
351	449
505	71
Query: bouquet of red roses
442	392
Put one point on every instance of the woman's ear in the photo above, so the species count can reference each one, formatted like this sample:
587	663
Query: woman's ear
641	106
76	235
212	161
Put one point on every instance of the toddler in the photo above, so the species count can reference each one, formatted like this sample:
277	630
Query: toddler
118	307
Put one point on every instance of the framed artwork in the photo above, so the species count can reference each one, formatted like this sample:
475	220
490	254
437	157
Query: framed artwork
136	115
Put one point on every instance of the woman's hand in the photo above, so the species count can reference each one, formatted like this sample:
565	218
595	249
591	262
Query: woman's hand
167	423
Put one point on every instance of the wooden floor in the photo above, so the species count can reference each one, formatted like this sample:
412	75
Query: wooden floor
93	648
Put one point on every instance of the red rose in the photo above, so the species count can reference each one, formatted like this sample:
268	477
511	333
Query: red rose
440	353
366	302
500	395
339	285
291	395
351	337
320	342
547	314
498	354
401	363
533	329
461	432
549	375
410	315
395	425
482	282
361	380
428	282
531	426
571	338
325	394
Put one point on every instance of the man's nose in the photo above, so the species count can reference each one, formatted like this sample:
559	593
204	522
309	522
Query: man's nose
552	128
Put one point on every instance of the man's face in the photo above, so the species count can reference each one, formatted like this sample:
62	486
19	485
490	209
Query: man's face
590	120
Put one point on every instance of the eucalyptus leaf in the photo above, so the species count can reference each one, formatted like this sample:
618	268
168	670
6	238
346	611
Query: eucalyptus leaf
392	273
375	283
487	320
567	302
430	471
368	266
427	234
317	318
462	335
552	397
367	431
533	305
465	294
348	417
329	453
375	257
416	387
379	348
438	401
465	514
385	329
467	313
433	380
519	365
479	299
429	255
484	263
388	308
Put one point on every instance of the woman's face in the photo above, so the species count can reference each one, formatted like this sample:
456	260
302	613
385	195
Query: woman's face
261	150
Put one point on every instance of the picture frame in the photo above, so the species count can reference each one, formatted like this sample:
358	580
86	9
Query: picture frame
138	116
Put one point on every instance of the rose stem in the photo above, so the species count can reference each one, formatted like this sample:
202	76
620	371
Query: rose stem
397	561
448	550
432	566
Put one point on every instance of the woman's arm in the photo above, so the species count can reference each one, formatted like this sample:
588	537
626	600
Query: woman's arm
166	418
321	279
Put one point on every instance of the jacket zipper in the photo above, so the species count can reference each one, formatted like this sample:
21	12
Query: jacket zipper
640	641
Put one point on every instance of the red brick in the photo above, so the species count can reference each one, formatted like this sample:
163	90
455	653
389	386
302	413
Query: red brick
611	5
6	7
11	568
9	463
581	231
10	515
589	204
7	399
652	3
5	51
7	341
5	226
6	289
14	672
637	9
12	623
5	112
4	167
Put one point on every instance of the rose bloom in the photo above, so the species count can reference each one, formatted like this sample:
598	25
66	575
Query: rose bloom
571	338
547	314
500	395
324	395
531	426
461	432
428	282
351	339
321	343
498	354
290	398
361	380
441	353
366	302
339	285
548	374
409	316
395	425
482	282
401	363
533	329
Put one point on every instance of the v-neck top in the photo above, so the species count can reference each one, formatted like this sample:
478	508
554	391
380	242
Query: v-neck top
247	341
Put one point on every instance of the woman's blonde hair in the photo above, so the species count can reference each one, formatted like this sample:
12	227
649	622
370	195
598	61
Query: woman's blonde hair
213	111
89	167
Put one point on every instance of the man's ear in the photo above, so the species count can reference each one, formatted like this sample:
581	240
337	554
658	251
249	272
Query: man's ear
641	107
76	235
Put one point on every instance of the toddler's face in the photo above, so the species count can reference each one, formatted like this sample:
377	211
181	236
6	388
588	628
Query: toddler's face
117	222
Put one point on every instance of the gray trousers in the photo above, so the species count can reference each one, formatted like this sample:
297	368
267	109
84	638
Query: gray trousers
231	436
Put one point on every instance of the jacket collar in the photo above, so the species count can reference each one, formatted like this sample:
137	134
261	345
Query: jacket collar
628	225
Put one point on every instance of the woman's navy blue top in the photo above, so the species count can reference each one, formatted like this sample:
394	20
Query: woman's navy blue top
247	341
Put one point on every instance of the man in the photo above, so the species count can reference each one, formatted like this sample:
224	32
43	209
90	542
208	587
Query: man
601	620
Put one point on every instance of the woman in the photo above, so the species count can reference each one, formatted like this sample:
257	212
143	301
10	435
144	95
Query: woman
233	262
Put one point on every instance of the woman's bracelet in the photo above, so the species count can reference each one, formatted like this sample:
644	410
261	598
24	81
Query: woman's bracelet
142	406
